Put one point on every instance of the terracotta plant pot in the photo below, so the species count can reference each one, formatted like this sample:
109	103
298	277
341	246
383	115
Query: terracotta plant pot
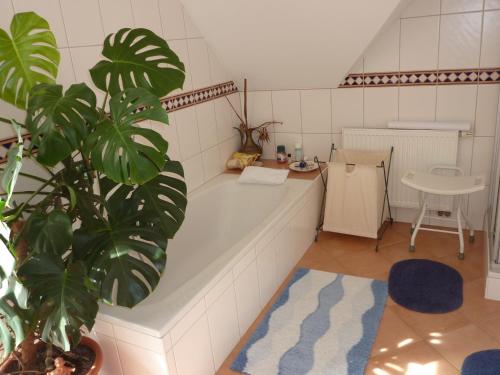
86	341
99	358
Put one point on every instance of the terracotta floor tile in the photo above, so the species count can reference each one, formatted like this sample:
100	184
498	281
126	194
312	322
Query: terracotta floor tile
319	258
458	344
427	325
393	333
413	359
476	308
366	264
491	326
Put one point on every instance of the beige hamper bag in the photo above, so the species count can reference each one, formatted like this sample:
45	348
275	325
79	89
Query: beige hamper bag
355	193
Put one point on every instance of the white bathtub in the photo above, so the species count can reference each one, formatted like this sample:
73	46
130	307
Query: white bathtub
236	246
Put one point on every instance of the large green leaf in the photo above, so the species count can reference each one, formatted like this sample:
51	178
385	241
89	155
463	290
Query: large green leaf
12	297
162	200
49	233
14	165
58	122
28	56
62	295
124	152
138	58
129	250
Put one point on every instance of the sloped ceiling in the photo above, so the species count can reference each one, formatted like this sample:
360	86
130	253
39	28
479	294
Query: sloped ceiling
285	44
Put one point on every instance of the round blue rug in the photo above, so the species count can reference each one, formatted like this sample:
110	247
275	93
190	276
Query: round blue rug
426	286
486	362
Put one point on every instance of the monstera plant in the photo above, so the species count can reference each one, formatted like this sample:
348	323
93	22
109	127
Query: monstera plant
96	227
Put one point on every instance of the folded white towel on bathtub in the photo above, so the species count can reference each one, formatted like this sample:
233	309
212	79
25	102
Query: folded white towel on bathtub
263	176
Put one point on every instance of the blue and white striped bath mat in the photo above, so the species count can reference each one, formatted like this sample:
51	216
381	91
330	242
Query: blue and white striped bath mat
323	323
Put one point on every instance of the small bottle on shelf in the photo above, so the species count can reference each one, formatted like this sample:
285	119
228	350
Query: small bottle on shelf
281	154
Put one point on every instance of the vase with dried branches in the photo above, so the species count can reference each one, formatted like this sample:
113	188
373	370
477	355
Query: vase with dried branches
252	138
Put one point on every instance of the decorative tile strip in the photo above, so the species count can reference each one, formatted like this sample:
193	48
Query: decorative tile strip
188	99
171	104
425	77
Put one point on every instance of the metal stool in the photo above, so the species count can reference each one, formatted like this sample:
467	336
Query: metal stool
429	183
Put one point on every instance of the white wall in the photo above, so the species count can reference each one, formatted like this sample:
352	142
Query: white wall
200	136
431	35
290	43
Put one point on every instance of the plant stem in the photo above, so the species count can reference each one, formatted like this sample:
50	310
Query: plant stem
33	195
7	121
245	102
26	192
31	176
235	111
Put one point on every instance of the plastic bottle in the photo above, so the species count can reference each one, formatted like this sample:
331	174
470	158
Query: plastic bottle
298	152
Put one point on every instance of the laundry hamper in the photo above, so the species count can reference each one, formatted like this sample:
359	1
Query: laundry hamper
357	201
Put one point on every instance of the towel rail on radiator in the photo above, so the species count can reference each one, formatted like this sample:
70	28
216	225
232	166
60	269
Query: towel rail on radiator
413	149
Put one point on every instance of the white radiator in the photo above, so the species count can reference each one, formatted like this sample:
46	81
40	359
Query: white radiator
413	149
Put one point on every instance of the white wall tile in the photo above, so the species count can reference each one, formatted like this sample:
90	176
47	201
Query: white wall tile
193	352
48	9
419	43
66	74
347	108
459	40
417	103
83	22
172	18
317	145
193	172
286	108
116	15
207	124
84	58
136	360
180	47
169	133
383	53
464	159
225	117
6	14
247	297
380	106
418	8
187	130
147	15
223	323
487	110
269	148
492	4
260	108
218	72
200	68
357	67
454	6
191	29
211	163
316	110
456	103
490	52
289	140
482	155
